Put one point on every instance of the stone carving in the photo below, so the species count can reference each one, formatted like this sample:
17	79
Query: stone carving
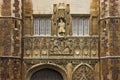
94	48
61	20
16	37
6	8
60	47
114	8
16	69
103	8
53	46
83	73
115	69
61	29
105	69
113	48
17	9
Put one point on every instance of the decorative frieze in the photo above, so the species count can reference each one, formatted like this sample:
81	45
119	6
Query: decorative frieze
61	46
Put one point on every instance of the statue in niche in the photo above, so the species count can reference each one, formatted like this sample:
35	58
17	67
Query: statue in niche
61	20
61	27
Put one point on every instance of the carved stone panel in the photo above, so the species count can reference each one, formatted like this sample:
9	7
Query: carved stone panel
83	73
61	20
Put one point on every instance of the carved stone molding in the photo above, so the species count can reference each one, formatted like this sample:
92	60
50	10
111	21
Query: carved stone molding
17	9
73	66
61	46
61	20
83	72
6	8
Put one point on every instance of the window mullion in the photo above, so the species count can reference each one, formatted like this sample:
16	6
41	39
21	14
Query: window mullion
77	24
44	19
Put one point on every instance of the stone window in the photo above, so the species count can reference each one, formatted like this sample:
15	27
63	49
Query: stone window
42	26
80	26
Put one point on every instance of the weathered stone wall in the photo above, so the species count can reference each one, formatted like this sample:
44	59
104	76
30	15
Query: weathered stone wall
110	40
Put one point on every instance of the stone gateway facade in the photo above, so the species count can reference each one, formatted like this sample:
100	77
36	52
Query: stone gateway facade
59	39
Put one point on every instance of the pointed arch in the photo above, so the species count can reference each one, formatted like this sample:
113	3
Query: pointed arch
83	71
51	66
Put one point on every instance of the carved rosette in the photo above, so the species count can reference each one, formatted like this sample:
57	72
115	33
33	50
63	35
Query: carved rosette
56	46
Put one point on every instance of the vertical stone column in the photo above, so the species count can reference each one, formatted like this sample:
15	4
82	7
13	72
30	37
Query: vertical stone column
27	29
69	71
94	9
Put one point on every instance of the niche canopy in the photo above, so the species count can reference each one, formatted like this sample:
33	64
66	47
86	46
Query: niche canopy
61	20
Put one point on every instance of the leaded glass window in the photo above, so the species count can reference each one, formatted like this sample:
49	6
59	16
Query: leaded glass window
80	26
42	26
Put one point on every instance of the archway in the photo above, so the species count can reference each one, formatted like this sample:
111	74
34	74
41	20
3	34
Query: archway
46	70
46	74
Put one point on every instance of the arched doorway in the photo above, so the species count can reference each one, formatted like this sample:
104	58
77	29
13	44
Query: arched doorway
46	74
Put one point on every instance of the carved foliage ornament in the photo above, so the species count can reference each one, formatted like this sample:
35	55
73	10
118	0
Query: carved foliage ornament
83	73
61	46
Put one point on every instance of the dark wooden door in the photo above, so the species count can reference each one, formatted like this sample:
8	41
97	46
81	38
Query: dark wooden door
46	74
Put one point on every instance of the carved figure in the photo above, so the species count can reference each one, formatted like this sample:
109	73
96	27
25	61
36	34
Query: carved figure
61	29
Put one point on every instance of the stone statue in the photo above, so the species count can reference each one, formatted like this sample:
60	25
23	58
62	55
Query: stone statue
61	29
